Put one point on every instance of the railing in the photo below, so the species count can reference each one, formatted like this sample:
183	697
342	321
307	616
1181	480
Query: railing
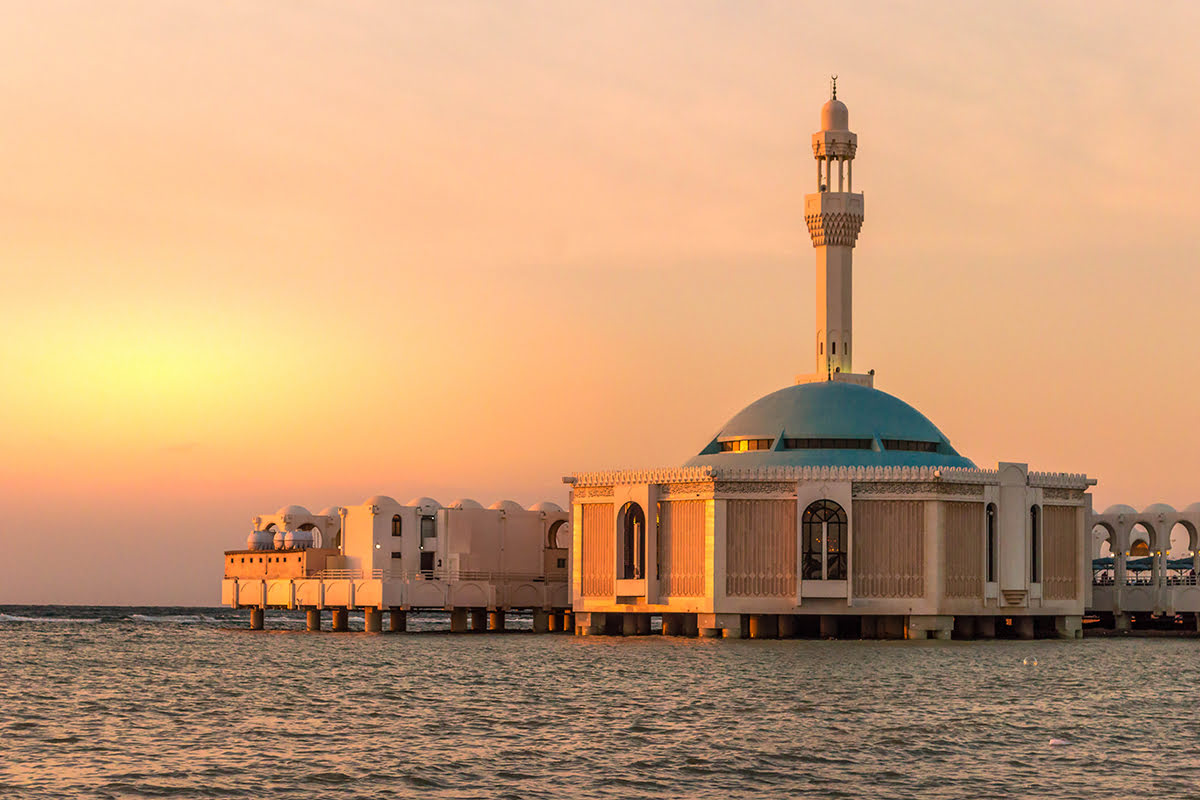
344	574
440	574
1181	580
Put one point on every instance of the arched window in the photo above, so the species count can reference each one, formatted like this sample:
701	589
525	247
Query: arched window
1035	545
633	542
824	531
396	525
990	542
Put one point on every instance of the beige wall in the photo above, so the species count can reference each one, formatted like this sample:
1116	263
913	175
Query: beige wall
964	545
681	540
1060	551
276	563
889	548
598	552
760	554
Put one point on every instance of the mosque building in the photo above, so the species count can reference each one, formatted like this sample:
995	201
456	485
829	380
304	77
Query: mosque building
826	508
830	507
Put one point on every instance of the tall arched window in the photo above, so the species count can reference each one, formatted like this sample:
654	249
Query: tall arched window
396	525
633	542
1035	545
990	542
823	529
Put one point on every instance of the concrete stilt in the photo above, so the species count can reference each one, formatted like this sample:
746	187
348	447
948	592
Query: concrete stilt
1122	622
1023	627
398	621
788	626
930	626
1068	627
372	620
568	621
891	626
256	619
541	621
589	624
312	619
964	626
340	621
672	624
553	621
985	627
870	627
708	626
643	624
496	621
764	626
689	625
828	626
458	620
478	619
629	625
733	626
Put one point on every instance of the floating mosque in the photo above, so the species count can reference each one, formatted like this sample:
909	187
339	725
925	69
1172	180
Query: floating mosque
827	508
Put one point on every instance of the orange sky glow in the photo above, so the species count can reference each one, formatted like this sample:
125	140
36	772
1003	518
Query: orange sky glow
259	254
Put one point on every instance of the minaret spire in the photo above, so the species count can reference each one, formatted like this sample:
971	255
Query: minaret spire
834	214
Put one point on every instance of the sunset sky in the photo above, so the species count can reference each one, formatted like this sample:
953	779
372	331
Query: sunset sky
265	253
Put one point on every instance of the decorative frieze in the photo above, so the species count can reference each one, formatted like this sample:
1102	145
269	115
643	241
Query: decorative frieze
684	489
937	489
756	488
593	491
834	227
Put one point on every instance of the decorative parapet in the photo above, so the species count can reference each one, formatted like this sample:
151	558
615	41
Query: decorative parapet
1061	480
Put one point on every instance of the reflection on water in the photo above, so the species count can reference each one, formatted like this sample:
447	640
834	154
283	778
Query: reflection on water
150	703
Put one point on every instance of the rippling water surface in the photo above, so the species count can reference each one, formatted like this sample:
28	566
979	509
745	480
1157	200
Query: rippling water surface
103	702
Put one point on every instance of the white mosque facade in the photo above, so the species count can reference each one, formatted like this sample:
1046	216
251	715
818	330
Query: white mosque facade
826	508
831	507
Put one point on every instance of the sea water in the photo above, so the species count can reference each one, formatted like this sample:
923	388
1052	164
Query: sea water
156	702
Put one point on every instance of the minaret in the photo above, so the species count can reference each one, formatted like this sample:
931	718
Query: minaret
834	214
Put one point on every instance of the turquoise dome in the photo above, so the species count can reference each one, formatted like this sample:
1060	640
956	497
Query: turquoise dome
830	424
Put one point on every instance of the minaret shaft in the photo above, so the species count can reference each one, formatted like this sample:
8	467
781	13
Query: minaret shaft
835	322
834	215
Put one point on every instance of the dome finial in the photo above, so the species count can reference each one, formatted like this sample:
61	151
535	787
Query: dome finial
833	87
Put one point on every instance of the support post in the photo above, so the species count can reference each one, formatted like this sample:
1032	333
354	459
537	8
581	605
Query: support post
708	626
643	624
1068	627
985	627
787	626
256	619
1023	626
733	626
398	621
496	621
589	623
629	625
828	626
458	620
689	625
372	620
340	621
312	619
870	626
1121	621
930	626
672	625
764	626
964	626
478	619
541	621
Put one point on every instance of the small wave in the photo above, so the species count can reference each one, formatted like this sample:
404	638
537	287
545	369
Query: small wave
15	618
169	618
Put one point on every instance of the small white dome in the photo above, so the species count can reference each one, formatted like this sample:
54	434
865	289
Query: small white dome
379	500
835	116
259	540
279	540
546	506
1120	508
464	502
295	511
1158	508
331	511
1194	508
423	502
507	505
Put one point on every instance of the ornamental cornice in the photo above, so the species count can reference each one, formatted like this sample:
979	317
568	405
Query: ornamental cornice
709	474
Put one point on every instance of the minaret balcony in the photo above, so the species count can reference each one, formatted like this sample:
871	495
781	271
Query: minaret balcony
833	218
